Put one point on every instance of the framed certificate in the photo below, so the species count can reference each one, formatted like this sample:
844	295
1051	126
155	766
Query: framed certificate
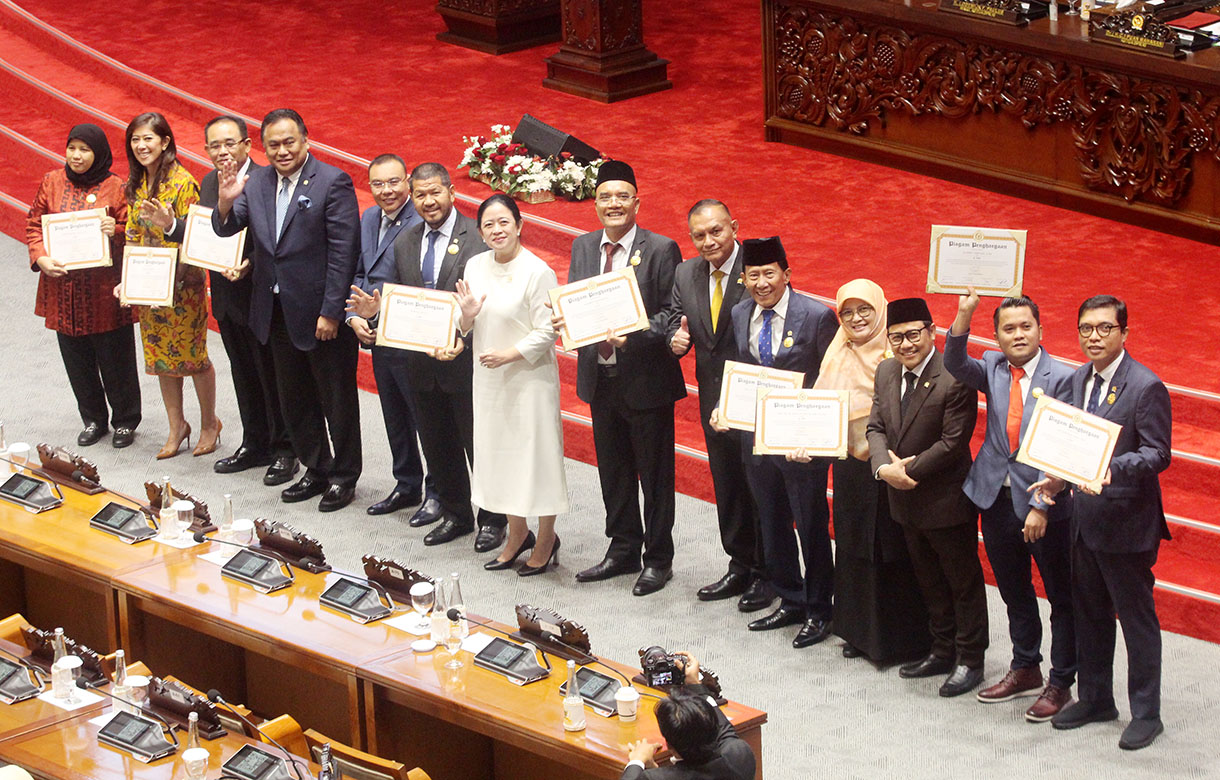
148	275
1068	443
739	390
203	248
791	420
75	239
593	306
991	261
416	318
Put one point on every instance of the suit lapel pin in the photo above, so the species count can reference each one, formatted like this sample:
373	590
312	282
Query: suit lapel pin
1113	396
305	183
1037	392
91	198
927	384
635	259
453	248
741	279
788	342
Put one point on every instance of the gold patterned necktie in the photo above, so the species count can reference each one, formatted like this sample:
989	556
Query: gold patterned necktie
717	297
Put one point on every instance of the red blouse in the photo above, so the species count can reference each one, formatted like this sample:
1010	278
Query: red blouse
82	302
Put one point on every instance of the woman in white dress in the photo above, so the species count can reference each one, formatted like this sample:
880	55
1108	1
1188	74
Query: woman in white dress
518	436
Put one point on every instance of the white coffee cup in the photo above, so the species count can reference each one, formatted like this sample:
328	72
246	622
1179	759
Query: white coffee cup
19	453
628	701
138	684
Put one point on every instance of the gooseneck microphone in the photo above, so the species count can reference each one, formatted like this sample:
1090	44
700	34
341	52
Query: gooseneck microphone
83	683
215	697
200	537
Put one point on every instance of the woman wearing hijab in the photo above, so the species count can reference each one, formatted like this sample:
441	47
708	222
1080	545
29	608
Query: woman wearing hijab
160	191
95	334
878	611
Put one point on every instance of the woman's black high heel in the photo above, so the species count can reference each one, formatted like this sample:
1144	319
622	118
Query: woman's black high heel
495	564
529	571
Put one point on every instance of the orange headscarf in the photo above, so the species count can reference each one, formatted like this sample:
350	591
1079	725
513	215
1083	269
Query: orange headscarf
851	364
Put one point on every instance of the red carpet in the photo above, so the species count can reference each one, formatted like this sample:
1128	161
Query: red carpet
370	77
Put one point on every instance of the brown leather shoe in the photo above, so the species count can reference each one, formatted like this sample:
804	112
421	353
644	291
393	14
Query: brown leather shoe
1018	682
1050	701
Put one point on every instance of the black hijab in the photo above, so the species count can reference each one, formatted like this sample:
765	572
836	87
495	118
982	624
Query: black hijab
95	139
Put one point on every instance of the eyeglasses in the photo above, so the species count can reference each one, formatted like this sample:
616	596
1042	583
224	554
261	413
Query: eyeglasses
912	336
606	199
1103	329
863	312
216	146
377	184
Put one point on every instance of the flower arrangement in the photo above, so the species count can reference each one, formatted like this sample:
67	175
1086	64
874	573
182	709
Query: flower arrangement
509	167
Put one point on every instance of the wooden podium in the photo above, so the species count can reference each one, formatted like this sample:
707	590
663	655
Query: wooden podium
603	56
499	26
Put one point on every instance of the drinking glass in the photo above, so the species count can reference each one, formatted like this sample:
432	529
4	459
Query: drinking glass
423	595
196	762
1073	8
242	532
453	643
184	516
19	454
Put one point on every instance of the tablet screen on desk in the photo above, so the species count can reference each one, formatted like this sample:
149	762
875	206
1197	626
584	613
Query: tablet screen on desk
7	670
20	486
346	593
126	728
592	684
247	564
503	654
251	763
115	515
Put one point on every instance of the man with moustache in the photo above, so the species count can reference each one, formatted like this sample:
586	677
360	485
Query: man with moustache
919	441
1018	527
706	288
302	218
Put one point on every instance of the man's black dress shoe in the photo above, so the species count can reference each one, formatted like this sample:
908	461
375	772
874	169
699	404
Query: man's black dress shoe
730	585
244	458
609	567
336	497
123	437
758	596
393	502
1140	733
303	489
447	531
281	470
652	579
427	514
929	666
91	435
784	616
489	538
962	679
1078	714
811	633
851	651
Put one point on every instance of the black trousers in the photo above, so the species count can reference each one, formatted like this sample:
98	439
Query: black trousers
794	495
635	450
1103	584
735	509
258	401
318	396
1010	556
102	368
946	563
397	408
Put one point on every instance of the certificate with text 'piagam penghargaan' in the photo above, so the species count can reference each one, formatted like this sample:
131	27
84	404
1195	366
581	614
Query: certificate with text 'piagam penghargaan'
201	246
1068	443
75	239
739	390
592	307
417	318
990	260
811	420
148	275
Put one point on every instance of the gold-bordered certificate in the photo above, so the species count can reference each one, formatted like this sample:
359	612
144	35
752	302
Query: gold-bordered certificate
75	239
1068	443
739	390
201	246
593	306
990	260
148	275
417	318
811	420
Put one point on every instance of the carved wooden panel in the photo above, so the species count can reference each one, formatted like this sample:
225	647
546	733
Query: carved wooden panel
603	25
1133	137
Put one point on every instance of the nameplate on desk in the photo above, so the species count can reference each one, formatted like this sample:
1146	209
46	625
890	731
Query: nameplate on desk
358	601
138	736
1013	12
32	494
252	763
1139	30
259	571
15	684
128	524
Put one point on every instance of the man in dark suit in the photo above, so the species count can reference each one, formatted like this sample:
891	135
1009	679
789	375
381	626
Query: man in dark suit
706	288
1117	532
302	217
264	435
433	254
780	328
1018	526
631	383
705	744
919	440
380	226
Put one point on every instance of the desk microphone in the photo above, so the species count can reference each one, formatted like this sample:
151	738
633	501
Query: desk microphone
455	615
552	638
215	697
83	683
79	476
200	537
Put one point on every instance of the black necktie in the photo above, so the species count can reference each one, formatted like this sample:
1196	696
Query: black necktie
1095	394
909	380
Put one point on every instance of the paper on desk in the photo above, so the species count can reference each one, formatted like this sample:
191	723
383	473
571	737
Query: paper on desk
476	642
83	699
182	542
104	718
410	623
216	557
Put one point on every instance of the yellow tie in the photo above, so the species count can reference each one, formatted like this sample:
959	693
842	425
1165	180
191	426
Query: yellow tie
717	298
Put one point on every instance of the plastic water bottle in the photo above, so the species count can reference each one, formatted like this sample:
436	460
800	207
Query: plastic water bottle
573	705
456	601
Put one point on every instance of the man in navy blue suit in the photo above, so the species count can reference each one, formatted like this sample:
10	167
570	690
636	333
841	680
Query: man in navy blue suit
380	225
778	327
1016	525
1117	531
302	217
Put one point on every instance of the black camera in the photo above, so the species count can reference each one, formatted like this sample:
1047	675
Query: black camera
661	668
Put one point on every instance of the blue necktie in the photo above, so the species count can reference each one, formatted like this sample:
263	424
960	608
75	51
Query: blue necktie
281	206
430	260
764	339
1095	395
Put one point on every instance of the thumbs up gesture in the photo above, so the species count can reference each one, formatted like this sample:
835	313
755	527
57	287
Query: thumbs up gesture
680	343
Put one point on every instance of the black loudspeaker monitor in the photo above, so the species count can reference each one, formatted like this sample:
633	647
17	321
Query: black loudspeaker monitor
546	141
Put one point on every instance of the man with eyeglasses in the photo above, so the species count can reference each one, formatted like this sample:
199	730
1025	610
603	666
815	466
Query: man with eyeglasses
1018	527
919	441
1117	532
631	383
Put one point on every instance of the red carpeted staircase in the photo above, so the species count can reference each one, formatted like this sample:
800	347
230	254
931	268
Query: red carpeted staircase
381	82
